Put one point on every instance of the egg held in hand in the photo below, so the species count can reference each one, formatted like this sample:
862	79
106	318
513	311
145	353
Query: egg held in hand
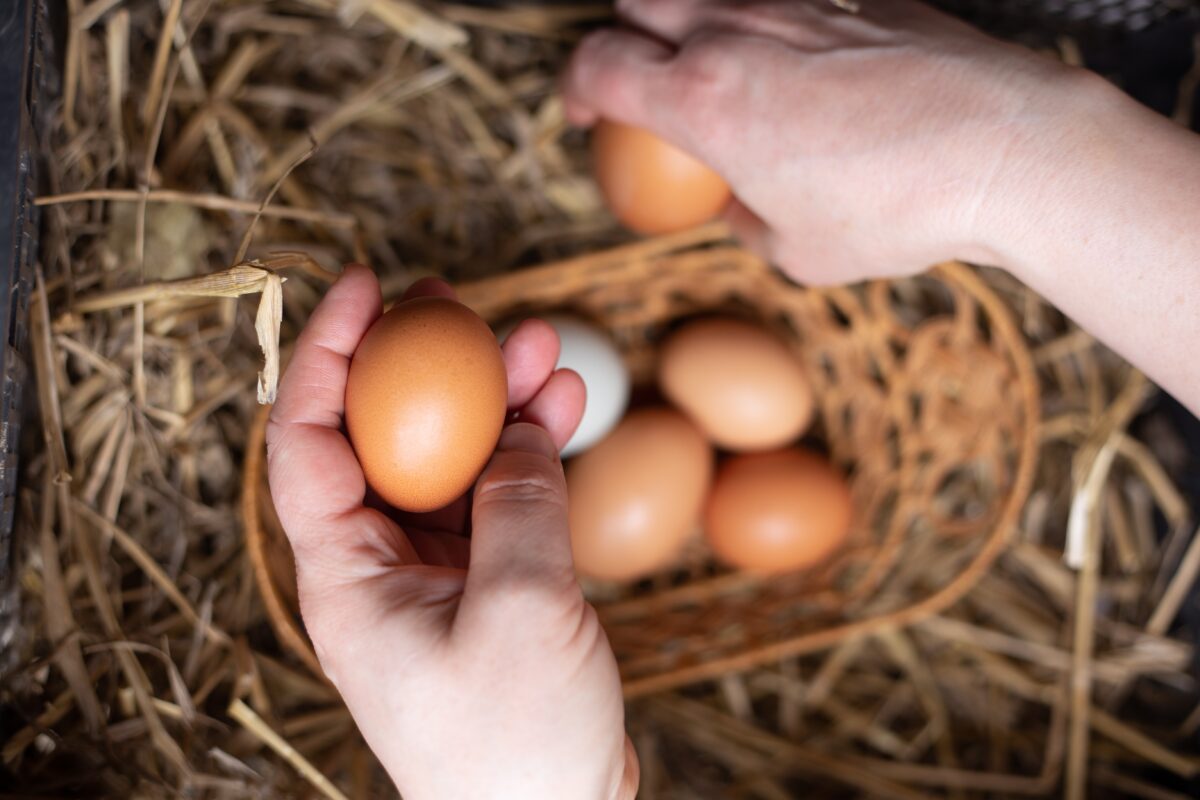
426	398
636	497
650	185
739	382
777	512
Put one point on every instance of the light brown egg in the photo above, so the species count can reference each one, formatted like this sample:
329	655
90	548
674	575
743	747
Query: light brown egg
652	186
426	398
636	496
777	512
742	385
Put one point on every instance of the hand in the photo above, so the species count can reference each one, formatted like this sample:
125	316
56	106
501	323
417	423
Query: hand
493	681
859	145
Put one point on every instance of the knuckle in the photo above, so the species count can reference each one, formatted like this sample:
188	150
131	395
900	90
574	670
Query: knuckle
595	51
701	67
274	433
591	45
640	9
523	478
629	8
707	83
615	89
277	438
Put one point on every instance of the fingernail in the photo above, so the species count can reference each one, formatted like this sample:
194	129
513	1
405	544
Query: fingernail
429	286
525	437
353	266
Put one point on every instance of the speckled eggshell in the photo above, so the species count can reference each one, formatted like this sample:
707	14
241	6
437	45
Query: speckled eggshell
650	185
636	497
426	399
739	382
777	512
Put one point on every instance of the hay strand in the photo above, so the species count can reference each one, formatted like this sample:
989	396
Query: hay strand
253	723
179	176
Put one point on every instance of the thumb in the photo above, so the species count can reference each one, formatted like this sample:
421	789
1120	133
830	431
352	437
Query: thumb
617	74
520	542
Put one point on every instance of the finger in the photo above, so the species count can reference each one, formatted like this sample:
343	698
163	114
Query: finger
632	774
519	539
577	112
313	472
671	20
530	353
749	229
313	387
618	75
558	407
429	287
808	25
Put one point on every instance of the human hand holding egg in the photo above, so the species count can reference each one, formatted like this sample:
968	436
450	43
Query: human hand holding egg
857	145
495	681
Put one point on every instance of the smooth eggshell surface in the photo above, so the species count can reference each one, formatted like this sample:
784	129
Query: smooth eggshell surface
741	384
590	351
426	399
777	512
636	497
652	186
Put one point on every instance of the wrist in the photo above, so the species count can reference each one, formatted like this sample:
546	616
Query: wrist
1047	166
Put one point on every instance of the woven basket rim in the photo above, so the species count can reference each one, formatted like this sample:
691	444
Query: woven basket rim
291	634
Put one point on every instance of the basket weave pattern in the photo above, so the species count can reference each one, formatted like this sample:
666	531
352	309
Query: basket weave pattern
926	395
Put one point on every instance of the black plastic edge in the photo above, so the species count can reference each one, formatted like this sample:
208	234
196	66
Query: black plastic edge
20	73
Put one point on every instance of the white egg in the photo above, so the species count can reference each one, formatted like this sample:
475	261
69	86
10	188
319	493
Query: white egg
588	350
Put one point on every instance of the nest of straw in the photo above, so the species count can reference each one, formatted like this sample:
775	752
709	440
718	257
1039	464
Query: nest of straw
199	155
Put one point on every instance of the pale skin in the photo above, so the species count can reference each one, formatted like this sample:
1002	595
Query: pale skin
859	146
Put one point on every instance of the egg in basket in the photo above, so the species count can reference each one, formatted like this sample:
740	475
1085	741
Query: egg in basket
903	433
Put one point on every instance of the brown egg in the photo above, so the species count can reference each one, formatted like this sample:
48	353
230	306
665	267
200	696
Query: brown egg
652	186
777	512
425	401
738	382
637	495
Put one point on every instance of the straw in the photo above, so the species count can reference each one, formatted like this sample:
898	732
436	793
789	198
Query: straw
950	652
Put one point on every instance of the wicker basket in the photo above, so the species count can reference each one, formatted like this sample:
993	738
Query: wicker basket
927	395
